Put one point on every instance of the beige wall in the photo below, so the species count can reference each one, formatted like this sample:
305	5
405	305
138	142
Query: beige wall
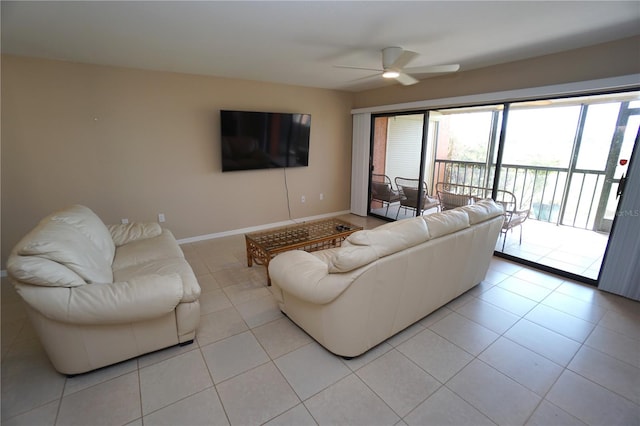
613	59
132	143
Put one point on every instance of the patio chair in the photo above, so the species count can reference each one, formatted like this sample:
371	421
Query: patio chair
409	197
514	215
382	191
451	196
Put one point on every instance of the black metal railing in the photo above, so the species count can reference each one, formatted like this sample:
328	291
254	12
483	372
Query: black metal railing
544	190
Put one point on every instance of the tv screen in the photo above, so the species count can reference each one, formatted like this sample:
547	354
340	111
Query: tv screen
264	140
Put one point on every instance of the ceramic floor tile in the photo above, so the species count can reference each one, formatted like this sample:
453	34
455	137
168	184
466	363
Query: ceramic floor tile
580	291
592	403
208	283
525	288
311	369
260	311
587	311
548	414
617	376
504	266
280	337
460	301
436	355
246	291
233	355
29	383
374	353
239	275
405	334
256	396
350	402
168	381
539	278
83	381
445	408
399	382
494	276
629	325
615	344
549	344
166	353
565	324
498	397
41	416
116	401
508	301
212	301
470	336
203	408
220	325
297	416
488	315
435	316
531	370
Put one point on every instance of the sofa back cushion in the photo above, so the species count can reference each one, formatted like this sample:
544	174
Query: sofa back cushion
482	210
392	237
91	226
446	222
62	243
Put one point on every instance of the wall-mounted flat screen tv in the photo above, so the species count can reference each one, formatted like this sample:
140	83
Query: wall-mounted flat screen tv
264	140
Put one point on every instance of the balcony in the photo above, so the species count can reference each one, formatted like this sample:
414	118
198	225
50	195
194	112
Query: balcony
560	231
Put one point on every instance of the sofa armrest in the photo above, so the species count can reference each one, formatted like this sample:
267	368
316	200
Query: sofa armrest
302	275
127	233
141	298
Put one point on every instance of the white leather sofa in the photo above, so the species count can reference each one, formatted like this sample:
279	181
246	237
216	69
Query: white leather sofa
380	281
97	295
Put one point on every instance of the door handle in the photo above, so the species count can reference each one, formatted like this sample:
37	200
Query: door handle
621	185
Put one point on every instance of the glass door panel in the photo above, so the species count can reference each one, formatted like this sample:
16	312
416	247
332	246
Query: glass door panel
396	155
561	161
465	152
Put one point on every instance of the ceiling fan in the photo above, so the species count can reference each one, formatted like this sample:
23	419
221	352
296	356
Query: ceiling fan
394	60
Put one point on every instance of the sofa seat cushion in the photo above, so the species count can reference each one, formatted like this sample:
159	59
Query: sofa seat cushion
139	252
65	244
164	267
446	222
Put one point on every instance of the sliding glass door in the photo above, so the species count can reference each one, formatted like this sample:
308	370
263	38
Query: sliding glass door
554	164
561	160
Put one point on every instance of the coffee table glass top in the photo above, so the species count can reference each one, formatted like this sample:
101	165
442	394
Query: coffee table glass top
302	234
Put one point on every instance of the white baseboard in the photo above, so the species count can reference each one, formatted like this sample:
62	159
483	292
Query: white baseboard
258	228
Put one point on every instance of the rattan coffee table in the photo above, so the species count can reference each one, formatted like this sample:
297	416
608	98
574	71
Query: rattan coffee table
308	236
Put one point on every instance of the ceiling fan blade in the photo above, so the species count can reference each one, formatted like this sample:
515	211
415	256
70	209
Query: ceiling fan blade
434	69
405	57
357	68
406	79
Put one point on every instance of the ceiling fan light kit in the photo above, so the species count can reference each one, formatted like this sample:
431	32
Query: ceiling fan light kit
394	60
390	74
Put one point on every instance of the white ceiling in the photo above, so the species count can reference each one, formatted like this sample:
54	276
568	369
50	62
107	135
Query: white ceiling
299	42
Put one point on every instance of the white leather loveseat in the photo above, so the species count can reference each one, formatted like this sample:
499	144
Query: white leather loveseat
97	295
381	281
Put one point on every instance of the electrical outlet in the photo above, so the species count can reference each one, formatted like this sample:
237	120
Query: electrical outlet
321	196
303	199
160	217
124	221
